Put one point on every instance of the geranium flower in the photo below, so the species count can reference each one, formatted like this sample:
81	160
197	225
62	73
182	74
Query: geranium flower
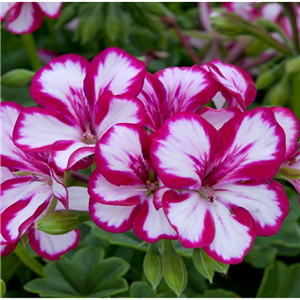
82	101
124	185
27	17
175	90
235	86
27	188
222	192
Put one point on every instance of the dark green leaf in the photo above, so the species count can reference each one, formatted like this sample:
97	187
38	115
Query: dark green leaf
219	293
141	290
280	281
261	256
85	275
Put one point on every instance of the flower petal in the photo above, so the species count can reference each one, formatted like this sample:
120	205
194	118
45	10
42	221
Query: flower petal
52	246
112	218
50	9
151	225
153	96
59	190
59	86
267	203
11	156
186	88
111	110
190	216
37	129
119	155
104	192
7	248
114	70
25	18
218	117
290	124
181	150
234	234
68	153
78	198
253	148
29	199
235	84
5	8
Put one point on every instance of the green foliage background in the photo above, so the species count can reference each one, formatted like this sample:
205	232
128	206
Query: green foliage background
111	265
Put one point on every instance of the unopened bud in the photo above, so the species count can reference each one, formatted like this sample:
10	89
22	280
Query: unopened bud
174	269
201	266
226	23
62	221
293	65
152	265
17	77
289	172
268	77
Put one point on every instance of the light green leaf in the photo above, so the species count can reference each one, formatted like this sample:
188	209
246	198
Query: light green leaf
2	288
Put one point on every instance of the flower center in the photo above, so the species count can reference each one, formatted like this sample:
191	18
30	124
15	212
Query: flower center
89	138
207	193
151	186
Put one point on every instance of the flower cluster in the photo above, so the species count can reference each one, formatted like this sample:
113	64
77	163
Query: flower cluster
164	164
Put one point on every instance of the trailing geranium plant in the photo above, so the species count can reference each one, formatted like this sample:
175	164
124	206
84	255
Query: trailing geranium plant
163	164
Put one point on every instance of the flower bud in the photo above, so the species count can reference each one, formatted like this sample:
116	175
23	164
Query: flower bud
152	265
225	23
268	77
201	266
279	94
62	221
3	288
174	269
293	65
289	172
17	77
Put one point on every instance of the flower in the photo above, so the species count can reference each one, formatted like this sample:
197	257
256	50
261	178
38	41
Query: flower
27	17
124	186
173	90
29	183
222	194
81	102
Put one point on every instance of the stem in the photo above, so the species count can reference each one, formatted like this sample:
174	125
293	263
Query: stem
29	261
291	12
31	49
79	177
171	21
295	79
52	31
259	61
263	35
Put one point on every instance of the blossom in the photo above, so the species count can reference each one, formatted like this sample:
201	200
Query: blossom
222	194
81	102
29	183
173	90
27	17
124	186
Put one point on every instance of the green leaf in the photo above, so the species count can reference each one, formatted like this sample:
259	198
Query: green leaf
280	281
140	289
2	288
261	256
17	78
9	265
219	293
201	265
85	275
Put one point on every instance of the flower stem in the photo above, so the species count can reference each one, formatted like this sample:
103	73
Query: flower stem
31	49
292	14
171	21
295	79
29	261
79	177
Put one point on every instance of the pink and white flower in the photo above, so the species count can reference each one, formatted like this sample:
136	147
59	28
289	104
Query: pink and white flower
175	90
124	186
27	17
29	181
235	86
222	192
81	102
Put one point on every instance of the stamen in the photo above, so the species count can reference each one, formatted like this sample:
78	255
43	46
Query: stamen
89	138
